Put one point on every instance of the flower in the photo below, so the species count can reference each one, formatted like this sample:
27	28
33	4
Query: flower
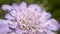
23	19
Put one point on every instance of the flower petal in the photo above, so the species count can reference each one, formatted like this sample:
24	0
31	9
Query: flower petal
23	6
15	14
34	7
4	28
18	31
4	21
16	6
45	15
7	7
49	32
53	24
9	17
11	24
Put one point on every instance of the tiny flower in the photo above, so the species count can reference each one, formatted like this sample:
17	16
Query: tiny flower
31	19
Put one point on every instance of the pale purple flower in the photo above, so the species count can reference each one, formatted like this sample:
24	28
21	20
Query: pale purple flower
23	19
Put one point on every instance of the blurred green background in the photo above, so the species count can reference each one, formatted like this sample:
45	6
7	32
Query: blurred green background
52	6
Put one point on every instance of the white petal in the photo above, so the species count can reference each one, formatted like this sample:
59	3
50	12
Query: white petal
34	7
15	6
23	6
9	17
49	32
7	7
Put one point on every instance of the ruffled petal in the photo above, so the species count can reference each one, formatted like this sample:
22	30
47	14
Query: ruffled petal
45	15
16	6
34	7
52	27
4	27
6	7
4	21
11	24
52	24
49	32
15	14
23	6
9	17
18	31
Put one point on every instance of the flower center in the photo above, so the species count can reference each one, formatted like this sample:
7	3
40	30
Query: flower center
29	20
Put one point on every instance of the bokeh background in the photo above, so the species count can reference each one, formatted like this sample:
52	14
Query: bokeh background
52	6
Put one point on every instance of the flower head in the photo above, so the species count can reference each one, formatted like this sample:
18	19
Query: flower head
29	19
